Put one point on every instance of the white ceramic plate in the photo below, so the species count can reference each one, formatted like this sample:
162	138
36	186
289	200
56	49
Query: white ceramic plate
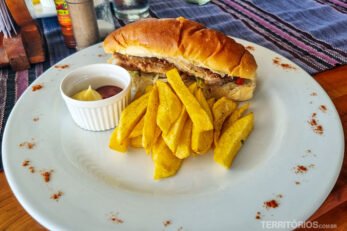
100	186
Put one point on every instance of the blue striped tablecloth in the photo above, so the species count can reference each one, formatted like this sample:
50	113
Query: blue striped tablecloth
312	33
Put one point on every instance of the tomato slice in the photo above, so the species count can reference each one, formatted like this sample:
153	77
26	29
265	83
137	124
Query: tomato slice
239	81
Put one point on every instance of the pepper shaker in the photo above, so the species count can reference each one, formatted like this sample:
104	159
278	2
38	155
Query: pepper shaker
84	22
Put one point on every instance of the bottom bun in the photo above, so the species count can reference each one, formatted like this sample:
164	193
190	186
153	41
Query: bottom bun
231	91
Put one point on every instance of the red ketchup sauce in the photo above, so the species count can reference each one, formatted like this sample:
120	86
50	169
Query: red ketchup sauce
108	91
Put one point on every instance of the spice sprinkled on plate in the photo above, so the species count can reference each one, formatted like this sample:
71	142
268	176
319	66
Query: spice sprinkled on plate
56	196
276	60
25	163
301	169
271	204
285	66
258	215
47	175
323	108
28	145
37	87
35	119
316	127
167	223
319	129
313	94
115	219
297	182
313	122
62	67
32	169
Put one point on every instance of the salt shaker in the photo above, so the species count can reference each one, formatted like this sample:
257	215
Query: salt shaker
104	17
84	22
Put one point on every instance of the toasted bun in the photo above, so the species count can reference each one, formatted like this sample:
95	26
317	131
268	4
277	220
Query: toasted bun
183	40
231	91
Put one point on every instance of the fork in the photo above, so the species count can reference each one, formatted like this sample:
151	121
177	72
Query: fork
6	24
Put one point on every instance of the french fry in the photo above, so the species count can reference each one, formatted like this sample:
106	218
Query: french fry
169	107
202	140
183	149
117	146
166	164
136	142
150	120
232	139
172	137
130	116
138	129
221	110
197	114
235	116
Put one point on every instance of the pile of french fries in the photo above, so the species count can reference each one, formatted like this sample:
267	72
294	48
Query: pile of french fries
172	121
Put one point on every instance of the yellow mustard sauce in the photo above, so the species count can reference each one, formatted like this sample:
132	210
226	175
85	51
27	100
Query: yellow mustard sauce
87	95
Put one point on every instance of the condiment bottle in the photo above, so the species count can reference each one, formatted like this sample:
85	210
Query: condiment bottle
83	22
64	20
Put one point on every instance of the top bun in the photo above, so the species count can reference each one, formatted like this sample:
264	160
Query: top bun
183	40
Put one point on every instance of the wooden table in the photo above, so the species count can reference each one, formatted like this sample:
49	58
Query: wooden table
333	211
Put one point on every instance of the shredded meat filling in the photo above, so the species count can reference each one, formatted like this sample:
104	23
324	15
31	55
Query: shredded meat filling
161	66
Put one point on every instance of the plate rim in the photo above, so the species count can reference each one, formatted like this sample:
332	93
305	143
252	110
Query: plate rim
48	223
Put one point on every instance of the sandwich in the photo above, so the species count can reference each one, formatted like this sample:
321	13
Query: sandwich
151	47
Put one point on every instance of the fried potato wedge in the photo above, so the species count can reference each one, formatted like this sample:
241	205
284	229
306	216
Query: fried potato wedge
235	116
150	120
183	149
172	137
137	131
166	164
136	142
169	107
202	140
117	146
221	110
130	116
232	139
197	114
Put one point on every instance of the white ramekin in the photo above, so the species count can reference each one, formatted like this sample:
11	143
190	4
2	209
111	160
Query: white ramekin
102	114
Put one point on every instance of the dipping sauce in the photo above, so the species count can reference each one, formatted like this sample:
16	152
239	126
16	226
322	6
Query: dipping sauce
87	95
108	91
101	93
